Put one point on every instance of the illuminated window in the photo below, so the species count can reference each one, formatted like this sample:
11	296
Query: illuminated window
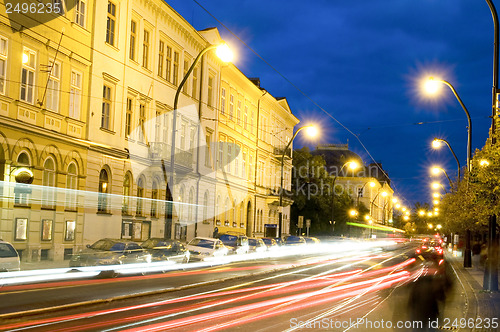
72	186
28	76
102	200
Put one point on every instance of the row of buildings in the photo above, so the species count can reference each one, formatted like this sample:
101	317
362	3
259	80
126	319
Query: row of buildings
89	139
91	146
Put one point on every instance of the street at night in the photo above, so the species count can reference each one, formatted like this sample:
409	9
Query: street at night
193	165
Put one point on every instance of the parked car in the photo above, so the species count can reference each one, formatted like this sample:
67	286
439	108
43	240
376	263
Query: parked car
256	245
9	258
311	240
270	243
237	244
110	252
166	250
293	240
202	248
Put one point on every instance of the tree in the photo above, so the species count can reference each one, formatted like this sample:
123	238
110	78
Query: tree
313	196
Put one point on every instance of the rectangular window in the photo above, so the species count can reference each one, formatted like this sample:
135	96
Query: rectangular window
238	113
229	157
75	95
28	76
80	10
168	64
133	40
145	50
223	101
53	86
106	107
251	123
142	121
245	119
161	55
208	152
3	64
175	71
110	24
244	166
154	202
237	161
183	136
128	117
210	96
194	88
186	67
220	158
231	107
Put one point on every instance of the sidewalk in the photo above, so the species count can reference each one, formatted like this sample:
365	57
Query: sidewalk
483	304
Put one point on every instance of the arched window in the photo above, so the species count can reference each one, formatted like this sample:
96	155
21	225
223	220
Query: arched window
127	181
140	197
22	191
154	199
49	182
102	204
72	186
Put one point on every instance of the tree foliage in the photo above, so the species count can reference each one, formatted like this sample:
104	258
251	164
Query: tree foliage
313	196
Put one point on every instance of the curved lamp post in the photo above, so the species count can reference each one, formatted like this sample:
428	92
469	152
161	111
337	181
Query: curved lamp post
435	170
371	183
312	131
436	144
384	194
224	53
432	88
352	165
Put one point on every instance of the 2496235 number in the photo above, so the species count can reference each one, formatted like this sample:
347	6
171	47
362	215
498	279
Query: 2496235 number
471	323
34	8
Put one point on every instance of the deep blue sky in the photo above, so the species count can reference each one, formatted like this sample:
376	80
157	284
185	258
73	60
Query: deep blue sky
360	62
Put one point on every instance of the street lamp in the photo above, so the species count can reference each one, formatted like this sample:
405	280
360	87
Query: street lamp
384	194
353	165
312	131
435	170
371	183
432	87
436	144
224	53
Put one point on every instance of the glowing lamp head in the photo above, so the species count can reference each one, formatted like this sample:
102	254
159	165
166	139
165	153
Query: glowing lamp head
384	193
224	52
312	131
435	185
432	86
436	143
353	213
484	163
421	212
353	165
371	184
435	170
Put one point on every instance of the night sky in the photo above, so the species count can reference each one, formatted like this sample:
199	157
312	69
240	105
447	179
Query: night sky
355	66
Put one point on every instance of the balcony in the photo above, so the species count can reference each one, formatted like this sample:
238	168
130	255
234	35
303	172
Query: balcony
160	150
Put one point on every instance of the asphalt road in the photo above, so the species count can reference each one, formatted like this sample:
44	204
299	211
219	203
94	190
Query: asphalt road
370	290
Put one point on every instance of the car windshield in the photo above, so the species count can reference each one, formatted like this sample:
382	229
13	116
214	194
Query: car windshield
6	250
252	242
108	245
293	239
267	241
202	243
229	240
